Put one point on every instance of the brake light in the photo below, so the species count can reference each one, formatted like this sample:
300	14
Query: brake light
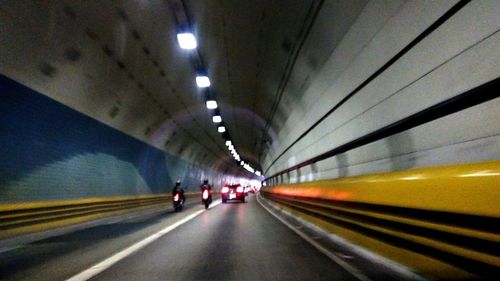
176	197
225	189
205	194
239	189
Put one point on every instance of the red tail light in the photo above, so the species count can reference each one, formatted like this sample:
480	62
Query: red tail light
225	189
239	189
176	197
205	194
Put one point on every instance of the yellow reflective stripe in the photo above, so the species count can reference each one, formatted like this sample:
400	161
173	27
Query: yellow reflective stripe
467	188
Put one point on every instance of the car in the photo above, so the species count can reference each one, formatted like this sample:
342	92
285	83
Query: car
233	192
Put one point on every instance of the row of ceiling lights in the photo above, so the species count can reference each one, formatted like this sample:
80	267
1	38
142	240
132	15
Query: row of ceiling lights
187	41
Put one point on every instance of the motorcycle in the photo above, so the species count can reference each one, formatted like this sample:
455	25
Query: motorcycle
206	197
178	201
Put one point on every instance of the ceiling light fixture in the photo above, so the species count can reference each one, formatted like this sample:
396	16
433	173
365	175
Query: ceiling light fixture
187	40
248	168
216	119
211	104
202	81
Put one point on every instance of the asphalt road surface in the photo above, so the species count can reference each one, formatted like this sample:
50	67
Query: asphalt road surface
233	241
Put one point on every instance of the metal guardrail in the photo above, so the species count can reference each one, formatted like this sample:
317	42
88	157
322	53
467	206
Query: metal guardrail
442	221
23	218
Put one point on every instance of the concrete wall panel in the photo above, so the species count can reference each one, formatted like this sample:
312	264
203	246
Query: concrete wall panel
441	142
456	57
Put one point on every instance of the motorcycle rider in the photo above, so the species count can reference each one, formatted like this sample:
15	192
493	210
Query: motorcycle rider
207	186
178	188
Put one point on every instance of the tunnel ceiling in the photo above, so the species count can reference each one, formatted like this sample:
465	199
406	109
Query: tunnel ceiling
124	67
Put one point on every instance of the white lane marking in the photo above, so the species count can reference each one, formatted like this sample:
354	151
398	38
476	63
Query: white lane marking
10	248
349	268
215	203
107	263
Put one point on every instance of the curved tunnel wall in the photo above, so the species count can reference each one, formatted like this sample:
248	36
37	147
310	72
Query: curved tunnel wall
49	151
396	60
411	91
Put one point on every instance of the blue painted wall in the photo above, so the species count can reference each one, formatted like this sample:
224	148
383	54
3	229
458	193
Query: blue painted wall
49	151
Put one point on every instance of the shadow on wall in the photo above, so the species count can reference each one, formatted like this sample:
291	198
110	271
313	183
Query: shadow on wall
400	148
398	145
343	165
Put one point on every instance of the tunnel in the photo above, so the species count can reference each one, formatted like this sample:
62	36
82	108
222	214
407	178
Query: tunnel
338	139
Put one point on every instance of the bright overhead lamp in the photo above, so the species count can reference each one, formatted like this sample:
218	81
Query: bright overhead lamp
187	40
221	129
216	119
258	173
228	143
242	163
211	104
248	168
202	81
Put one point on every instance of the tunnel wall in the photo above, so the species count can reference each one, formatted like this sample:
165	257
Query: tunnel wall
450	57
49	151
93	58
408	95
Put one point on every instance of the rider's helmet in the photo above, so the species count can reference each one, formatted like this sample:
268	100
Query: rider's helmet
205	181
177	182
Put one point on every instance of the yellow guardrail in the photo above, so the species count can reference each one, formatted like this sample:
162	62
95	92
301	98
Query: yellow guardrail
442	221
30	217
